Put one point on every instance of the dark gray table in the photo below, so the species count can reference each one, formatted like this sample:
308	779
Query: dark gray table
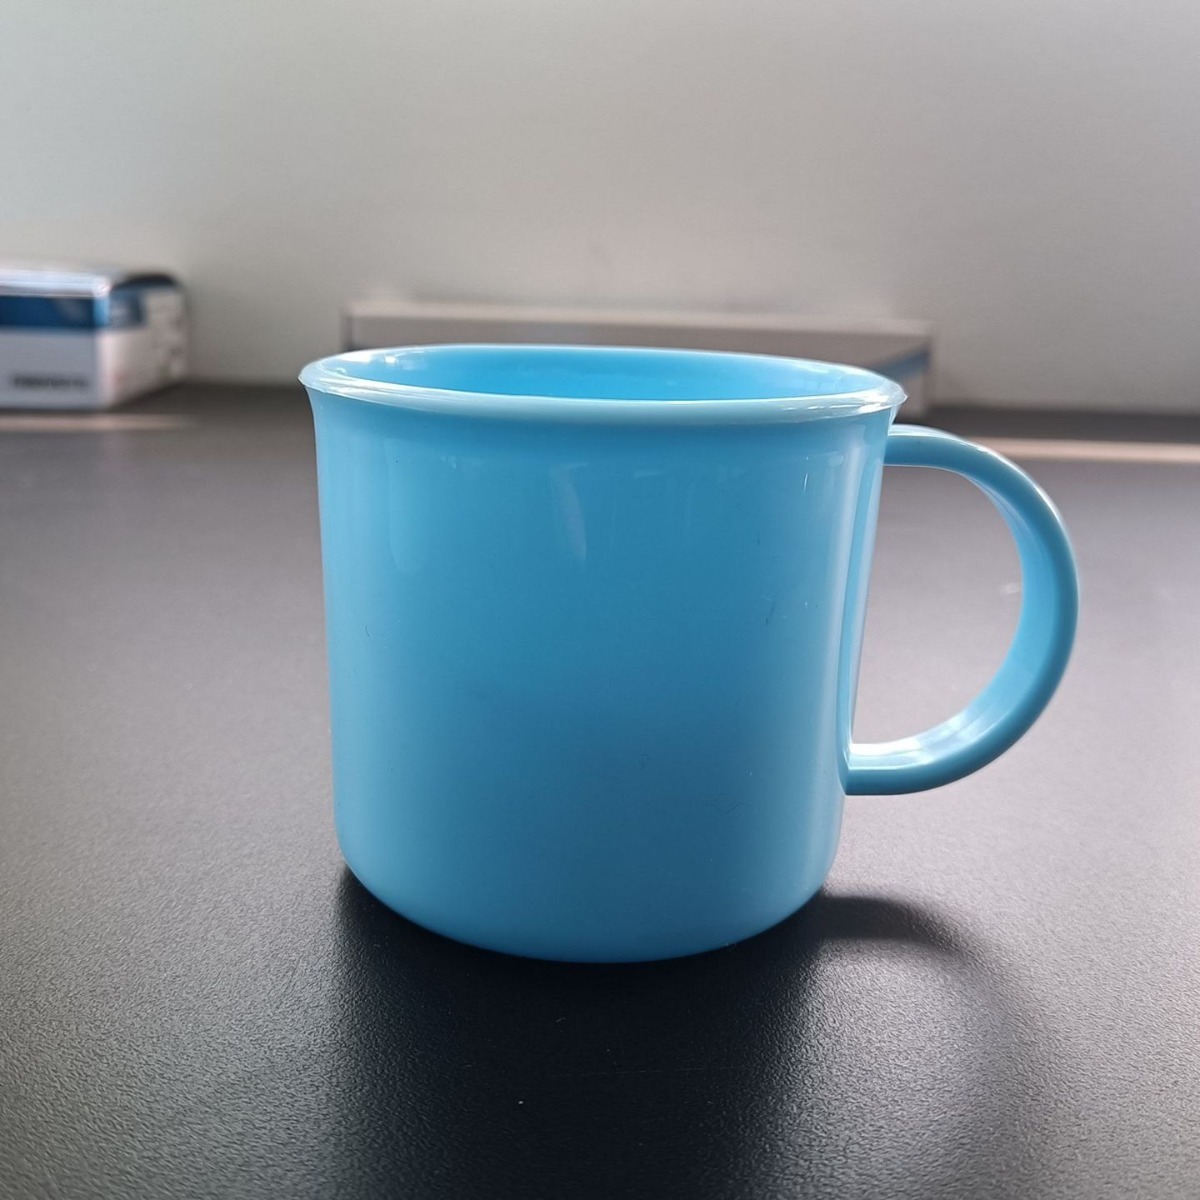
995	996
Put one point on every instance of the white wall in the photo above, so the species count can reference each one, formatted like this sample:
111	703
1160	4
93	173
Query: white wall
1025	173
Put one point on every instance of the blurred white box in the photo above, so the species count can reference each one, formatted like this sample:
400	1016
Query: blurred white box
76	337
899	349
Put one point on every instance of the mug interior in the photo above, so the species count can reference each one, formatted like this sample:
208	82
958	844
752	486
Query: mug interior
604	373
602	383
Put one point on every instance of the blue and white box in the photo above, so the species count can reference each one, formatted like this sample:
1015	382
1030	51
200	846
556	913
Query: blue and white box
73	338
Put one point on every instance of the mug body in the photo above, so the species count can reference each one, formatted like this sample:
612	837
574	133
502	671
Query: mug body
591	675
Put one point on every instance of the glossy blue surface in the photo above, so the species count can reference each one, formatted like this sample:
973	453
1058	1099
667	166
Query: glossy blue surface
1038	656
594	620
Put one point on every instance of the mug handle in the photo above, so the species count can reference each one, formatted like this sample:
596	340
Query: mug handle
1037	658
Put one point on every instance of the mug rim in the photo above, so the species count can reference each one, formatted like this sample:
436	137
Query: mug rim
342	375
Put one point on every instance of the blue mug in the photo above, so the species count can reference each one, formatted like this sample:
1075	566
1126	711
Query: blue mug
594	619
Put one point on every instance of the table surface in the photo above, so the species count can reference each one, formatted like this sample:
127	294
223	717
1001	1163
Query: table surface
995	995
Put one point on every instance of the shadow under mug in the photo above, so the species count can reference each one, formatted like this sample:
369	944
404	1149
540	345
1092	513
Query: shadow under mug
594	619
